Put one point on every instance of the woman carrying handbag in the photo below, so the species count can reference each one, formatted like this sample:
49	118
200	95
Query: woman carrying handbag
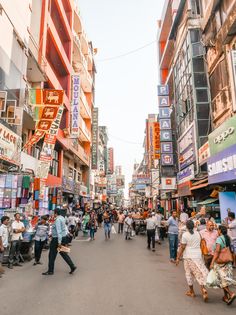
222	265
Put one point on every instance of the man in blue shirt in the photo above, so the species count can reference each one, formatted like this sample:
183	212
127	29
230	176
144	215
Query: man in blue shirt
173	231
59	238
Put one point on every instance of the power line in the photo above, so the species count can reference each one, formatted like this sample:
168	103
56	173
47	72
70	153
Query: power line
126	54
125	141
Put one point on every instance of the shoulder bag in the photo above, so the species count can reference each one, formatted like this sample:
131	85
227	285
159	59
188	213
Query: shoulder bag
225	255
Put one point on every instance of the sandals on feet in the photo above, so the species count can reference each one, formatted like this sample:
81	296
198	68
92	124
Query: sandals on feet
191	294
230	301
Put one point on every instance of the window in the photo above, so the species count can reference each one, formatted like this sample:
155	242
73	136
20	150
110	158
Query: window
219	79
54	163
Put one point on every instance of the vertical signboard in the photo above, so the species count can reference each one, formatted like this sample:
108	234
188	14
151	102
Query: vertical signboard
75	106
165	126
95	139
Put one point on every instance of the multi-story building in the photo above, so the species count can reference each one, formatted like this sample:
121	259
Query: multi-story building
46	47
110	161
183	69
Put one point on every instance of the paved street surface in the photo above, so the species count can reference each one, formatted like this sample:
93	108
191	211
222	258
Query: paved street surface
115	277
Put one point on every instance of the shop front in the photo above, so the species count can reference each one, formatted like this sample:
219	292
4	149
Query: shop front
222	162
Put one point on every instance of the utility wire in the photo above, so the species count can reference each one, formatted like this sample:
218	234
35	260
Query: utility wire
122	140
126	54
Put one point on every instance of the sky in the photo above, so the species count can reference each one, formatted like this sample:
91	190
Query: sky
125	88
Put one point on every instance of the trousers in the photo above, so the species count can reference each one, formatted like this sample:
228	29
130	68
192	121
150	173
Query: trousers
120	227
38	248
53	254
14	253
173	245
151	238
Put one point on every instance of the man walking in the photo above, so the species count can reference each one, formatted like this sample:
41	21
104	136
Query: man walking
173	230
17	229
151	229
209	235
59	238
121	219
4	243
41	236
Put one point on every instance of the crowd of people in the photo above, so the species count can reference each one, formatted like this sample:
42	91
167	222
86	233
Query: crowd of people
208	250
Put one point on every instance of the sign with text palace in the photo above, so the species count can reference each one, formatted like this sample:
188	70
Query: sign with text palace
167	158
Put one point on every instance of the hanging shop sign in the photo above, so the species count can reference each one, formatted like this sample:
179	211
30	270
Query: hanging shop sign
203	153
222	166
83	191
68	185
184	189
186	175
75	105
46	154
186	148
94	153
3	101
223	137
10	145
168	183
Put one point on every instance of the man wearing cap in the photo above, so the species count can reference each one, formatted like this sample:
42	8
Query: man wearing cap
151	228
59	238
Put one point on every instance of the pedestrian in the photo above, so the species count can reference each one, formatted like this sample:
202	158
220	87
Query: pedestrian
121	219
128	226
151	225
85	222
183	217
223	271
159	218
209	235
59	239
193	263
71	222
173	231
17	229
202	225
232	234
41	236
107	221
4	240
92	225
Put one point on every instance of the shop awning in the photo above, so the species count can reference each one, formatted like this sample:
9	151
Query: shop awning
207	201
199	184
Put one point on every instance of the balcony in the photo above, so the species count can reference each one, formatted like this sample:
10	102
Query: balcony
84	133
84	42
77	53
77	21
85	110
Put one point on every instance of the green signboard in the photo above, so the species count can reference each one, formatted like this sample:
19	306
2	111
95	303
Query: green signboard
223	137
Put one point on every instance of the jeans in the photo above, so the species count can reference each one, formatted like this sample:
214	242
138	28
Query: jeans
173	245
92	232
14	254
120	227
38	248
53	254
151	238
107	229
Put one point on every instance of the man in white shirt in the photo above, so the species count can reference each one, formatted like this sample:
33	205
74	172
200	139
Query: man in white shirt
4	235
128	226
151	229
232	233
17	229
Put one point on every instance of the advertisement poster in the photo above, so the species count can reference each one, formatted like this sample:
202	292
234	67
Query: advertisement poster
10	145
227	203
75	105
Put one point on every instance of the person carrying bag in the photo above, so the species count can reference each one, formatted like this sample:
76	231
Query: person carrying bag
222	265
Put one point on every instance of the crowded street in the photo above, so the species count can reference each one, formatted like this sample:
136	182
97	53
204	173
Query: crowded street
114	277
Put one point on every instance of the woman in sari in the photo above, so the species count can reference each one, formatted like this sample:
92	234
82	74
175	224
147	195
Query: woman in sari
193	262
224	272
